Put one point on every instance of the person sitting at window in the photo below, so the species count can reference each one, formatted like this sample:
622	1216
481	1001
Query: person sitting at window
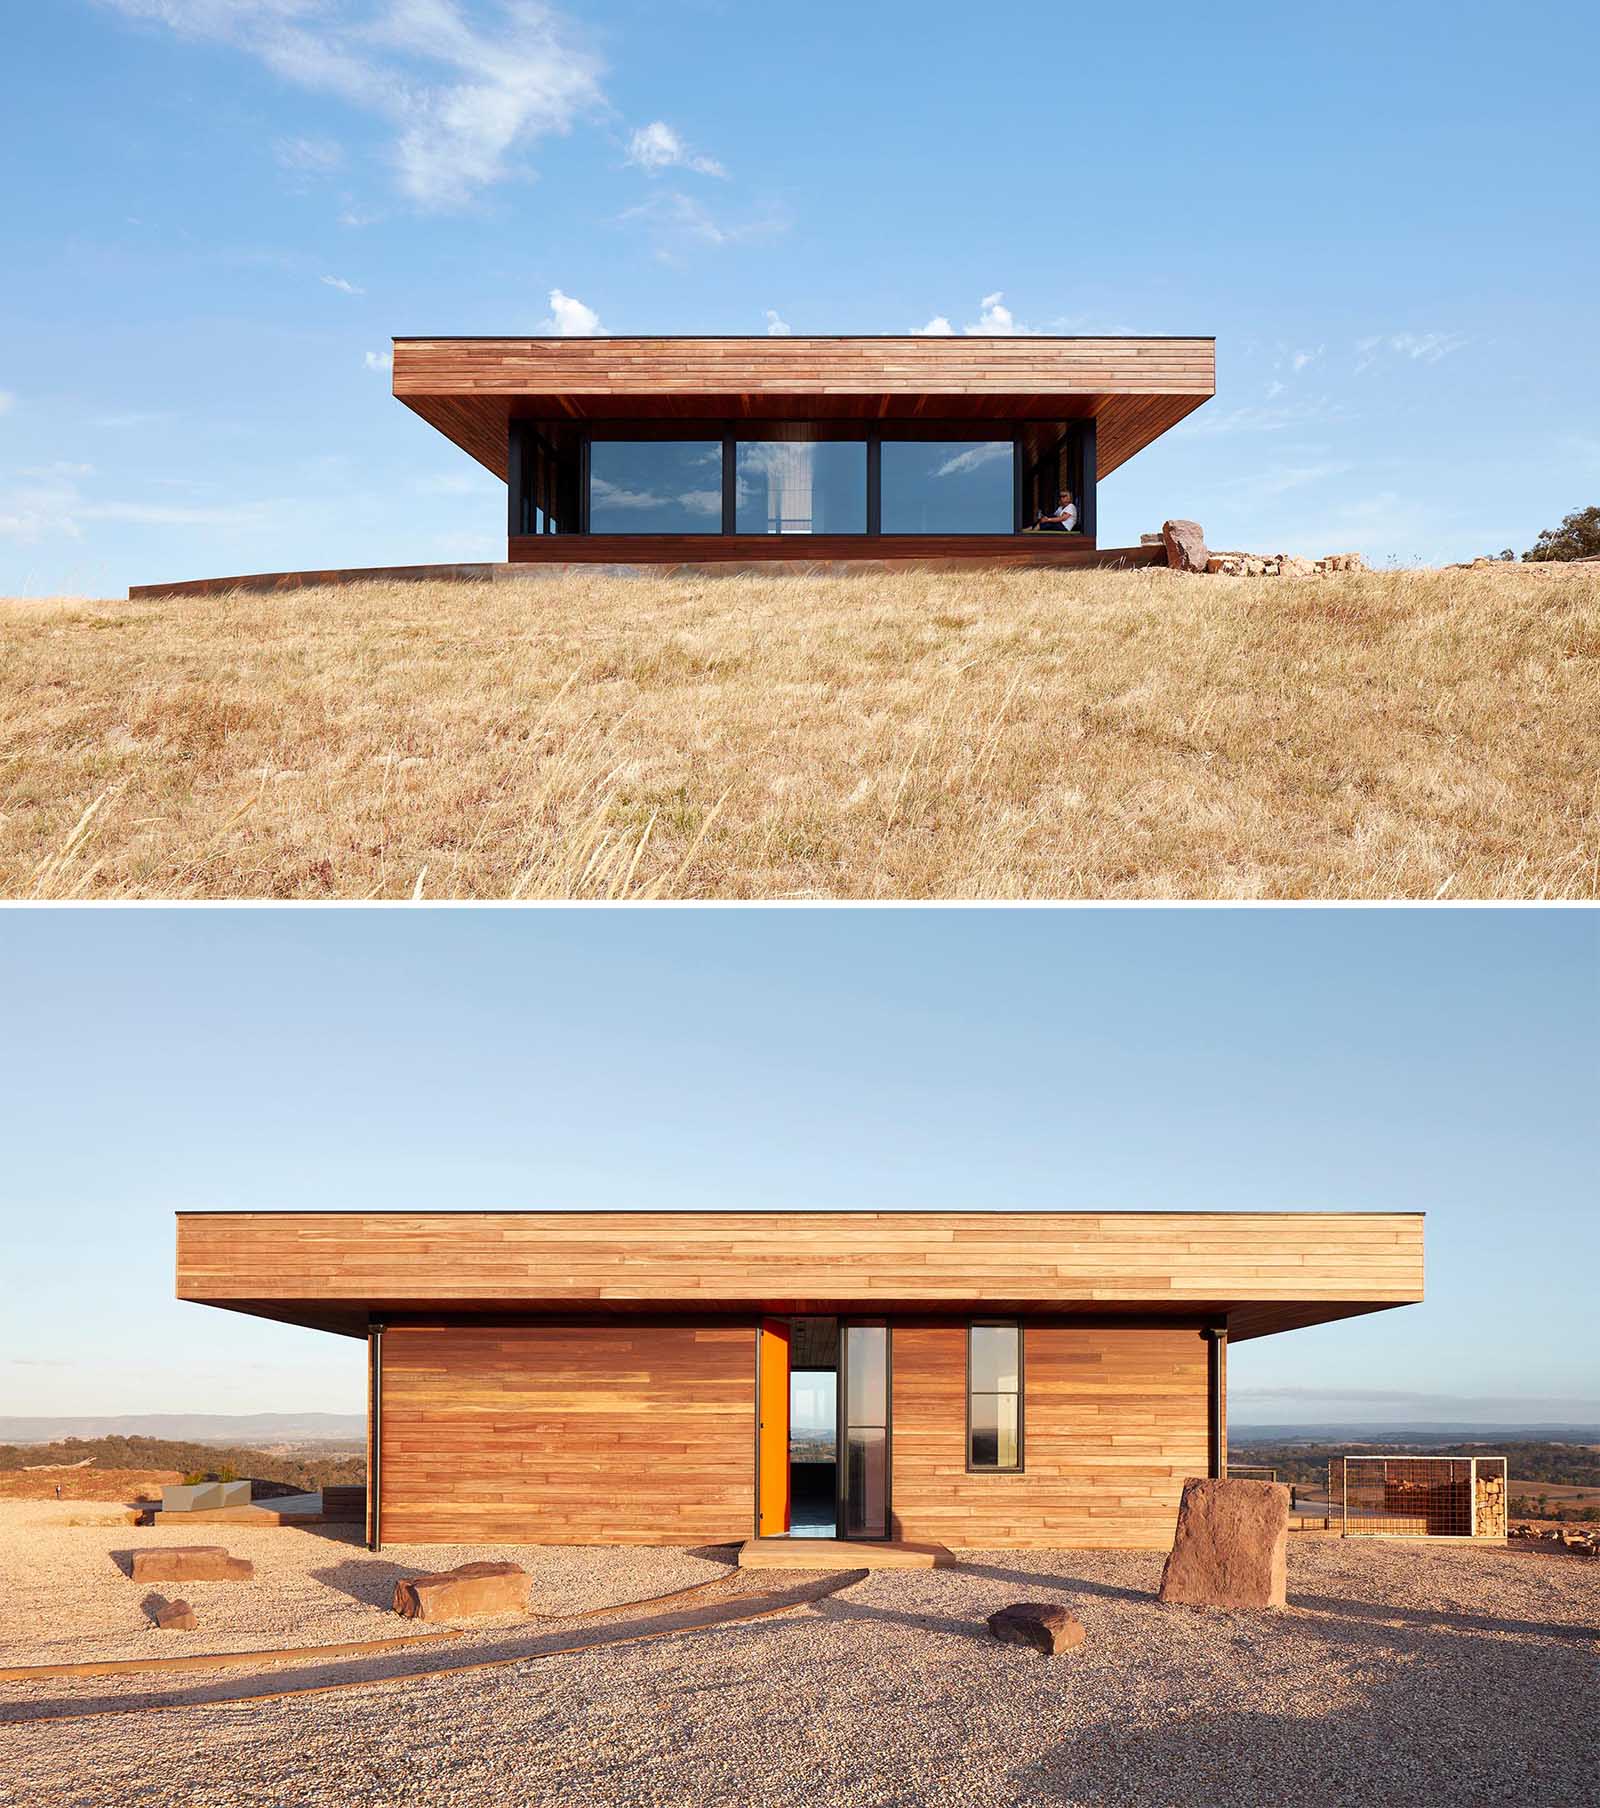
1063	519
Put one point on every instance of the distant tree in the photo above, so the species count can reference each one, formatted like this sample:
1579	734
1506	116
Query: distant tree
1578	537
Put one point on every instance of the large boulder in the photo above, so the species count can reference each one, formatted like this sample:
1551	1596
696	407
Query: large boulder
1045	1625
457	1594
1293	567
1186	545
1230	1546
191	1563
175	1616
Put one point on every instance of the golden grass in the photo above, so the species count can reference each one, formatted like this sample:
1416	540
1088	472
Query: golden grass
915	735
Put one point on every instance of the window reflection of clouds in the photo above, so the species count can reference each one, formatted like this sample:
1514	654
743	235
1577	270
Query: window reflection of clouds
983	454
655	486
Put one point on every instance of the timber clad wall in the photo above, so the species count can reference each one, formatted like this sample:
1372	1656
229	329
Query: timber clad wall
1267	1271
568	1434
1114	1420
1135	388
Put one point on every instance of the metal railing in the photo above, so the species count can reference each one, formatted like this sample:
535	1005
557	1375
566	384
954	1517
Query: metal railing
1418	1496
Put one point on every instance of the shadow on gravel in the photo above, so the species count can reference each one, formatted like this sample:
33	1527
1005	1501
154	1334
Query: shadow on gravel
919	1622
123	1561
510	1648
1068	1585
1417	1735
1444	1620
369	1580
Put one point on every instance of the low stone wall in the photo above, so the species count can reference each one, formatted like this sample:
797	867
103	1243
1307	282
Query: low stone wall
1185	547
1280	564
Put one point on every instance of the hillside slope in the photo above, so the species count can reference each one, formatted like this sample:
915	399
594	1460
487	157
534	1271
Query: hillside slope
912	735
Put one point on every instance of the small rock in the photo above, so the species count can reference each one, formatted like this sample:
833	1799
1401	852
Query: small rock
1045	1625
1255	568
176	1616
1296	568
473	1588
1185	544
191	1563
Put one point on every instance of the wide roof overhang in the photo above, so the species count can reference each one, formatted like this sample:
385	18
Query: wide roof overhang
1258	1272
1133	388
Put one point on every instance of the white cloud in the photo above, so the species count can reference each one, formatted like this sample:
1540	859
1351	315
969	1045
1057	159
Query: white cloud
777	328
344	288
678	220
308	156
1317	411
53	506
994	318
1301	359
1426	348
1274	388
463	100
571	318
378	360
657	147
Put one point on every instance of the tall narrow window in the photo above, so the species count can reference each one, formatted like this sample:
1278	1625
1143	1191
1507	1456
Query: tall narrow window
994	1397
865	1482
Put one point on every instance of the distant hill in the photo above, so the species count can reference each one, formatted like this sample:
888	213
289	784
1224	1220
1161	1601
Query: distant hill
201	1428
1411	1432
300	1466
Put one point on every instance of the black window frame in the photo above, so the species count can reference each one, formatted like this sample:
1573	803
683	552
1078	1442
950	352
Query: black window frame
1020	1466
841	1440
542	473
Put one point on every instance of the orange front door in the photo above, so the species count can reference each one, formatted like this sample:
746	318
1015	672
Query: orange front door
772	1443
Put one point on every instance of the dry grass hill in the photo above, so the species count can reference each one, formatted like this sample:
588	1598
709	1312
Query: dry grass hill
1408	734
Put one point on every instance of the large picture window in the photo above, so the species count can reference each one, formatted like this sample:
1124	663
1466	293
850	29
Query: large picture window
798	486
994	1397
947	487
661	486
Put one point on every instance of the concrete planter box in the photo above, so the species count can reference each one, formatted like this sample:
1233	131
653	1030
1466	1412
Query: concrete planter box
204	1497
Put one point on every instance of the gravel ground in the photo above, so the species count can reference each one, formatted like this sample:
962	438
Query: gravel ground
68	1597
1400	1673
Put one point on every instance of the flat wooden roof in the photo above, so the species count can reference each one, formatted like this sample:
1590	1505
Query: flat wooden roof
1264	1271
1134	388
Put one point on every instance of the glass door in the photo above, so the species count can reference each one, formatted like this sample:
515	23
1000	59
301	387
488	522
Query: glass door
864	1472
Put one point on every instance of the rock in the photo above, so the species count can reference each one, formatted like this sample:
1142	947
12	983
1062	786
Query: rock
1255	568
1270	568
1230	1546
1045	1625
454	1594
1185	544
1296	568
176	1616
191	1563
1151	540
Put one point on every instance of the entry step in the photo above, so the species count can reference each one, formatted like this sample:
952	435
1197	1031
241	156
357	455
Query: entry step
840	1553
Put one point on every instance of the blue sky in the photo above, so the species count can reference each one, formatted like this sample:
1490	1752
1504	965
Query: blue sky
216	212
1439	1061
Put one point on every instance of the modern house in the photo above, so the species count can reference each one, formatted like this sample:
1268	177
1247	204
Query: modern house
700	450
975	1378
